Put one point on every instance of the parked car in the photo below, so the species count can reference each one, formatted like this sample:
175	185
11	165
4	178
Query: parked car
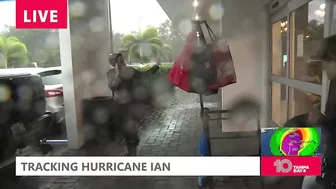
23	119
14	71
52	80
53	87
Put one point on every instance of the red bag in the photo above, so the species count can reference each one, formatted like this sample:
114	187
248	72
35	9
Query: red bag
179	75
226	74
201	62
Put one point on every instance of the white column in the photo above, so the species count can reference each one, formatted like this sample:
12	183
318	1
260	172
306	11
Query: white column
245	24
84	48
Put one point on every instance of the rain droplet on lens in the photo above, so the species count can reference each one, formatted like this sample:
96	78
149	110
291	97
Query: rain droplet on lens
77	9
185	27
5	93
25	93
101	115
97	24
216	12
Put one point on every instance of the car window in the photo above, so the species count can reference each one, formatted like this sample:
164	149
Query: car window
52	77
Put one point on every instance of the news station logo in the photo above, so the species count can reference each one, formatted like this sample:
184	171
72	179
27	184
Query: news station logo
291	166
41	14
286	166
291	152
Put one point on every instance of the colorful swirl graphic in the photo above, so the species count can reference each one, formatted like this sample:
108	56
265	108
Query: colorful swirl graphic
295	142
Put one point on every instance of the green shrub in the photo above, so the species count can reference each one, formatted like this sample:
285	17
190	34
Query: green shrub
13	53
162	72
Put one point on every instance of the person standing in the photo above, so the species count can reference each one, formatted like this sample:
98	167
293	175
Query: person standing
122	81
327	53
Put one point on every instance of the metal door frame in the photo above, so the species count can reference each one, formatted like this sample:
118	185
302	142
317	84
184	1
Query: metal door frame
283	10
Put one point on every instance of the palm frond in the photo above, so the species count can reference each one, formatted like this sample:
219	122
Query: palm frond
145	46
154	40
150	32
2	42
12	39
133	52
129	40
16	47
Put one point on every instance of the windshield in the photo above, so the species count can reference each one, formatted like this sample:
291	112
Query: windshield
52	77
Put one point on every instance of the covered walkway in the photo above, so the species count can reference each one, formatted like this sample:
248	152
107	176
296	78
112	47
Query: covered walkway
176	129
172	131
85	48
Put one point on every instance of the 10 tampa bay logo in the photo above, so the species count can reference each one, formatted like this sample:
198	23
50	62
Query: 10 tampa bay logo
286	166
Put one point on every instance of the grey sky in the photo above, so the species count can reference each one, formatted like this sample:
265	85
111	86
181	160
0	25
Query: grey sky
127	15
130	15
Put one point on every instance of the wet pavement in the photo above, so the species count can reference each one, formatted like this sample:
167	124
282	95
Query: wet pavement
171	131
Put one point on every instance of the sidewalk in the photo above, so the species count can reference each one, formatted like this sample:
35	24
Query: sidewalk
172	131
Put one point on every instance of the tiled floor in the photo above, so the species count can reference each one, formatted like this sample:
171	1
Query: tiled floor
172	131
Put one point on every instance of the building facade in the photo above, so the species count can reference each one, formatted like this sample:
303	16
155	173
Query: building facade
273	43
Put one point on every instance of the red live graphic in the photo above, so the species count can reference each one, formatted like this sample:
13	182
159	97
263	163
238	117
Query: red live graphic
291	166
41	14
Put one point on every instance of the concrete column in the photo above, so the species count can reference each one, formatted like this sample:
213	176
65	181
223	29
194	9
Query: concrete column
84	57
245	25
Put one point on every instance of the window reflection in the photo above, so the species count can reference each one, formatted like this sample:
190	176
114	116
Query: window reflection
306	32
301	102
279	103
333	16
279	48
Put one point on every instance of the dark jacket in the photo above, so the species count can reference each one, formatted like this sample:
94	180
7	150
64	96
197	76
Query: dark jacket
124	86
328	121
328	124
300	120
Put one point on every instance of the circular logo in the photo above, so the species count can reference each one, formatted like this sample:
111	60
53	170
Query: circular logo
283	166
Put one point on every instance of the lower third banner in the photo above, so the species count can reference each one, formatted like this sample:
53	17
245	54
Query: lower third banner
137	166
291	166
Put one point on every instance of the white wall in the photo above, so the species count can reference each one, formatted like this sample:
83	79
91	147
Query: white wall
245	25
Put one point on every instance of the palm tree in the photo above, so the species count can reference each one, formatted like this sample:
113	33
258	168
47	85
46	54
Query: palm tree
42	45
13	53
3	62
145	46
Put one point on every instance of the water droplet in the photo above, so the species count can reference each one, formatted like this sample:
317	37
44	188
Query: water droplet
185	27
216	12
97	24
77	9
5	93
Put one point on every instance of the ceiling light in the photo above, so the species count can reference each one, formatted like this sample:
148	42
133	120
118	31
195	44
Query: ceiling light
196	17
195	4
